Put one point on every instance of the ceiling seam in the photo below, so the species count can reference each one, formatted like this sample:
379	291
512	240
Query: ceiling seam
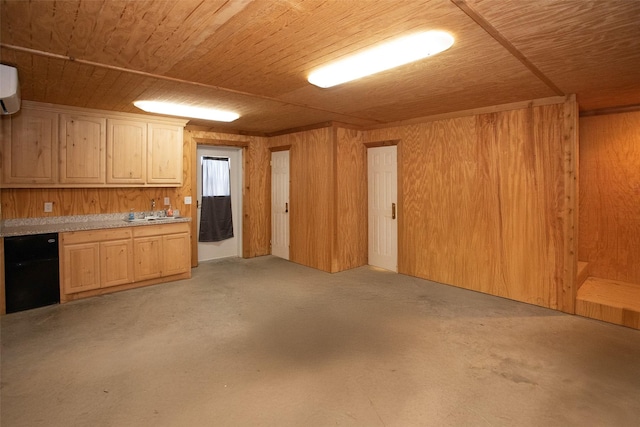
486	26
176	80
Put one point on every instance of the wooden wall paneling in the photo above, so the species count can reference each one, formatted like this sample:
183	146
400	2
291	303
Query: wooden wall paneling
568	288
483	202
609	222
351	200
311	196
29	203
260	196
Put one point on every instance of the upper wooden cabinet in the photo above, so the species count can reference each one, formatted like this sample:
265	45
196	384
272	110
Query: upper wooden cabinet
126	151
29	148
164	154
82	149
45	145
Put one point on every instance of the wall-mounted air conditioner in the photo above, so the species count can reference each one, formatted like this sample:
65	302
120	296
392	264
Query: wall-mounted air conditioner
9	90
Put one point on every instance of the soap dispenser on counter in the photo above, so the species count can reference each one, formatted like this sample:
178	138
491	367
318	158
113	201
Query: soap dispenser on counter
132	215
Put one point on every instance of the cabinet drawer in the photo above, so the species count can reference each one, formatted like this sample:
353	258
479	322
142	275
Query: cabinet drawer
95	235
156	230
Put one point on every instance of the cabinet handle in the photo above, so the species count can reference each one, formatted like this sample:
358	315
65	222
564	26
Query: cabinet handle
393	211
286	207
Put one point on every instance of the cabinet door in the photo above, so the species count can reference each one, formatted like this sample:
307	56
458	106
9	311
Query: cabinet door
147	256
29	147
176	254
126	151
80	264
164	162
82	149
116	263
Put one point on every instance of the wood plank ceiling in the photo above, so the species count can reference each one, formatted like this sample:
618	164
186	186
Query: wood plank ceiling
253	56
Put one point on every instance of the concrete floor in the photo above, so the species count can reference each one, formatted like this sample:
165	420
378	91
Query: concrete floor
268	342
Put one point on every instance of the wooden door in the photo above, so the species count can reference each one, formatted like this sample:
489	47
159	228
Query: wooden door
30	147
164	161
383	202
147	257
176	254
82	149
80	264
280	204
116	262
126	151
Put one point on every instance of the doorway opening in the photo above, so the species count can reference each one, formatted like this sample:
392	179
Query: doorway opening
219	177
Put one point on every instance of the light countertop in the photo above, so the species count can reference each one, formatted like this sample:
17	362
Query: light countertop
60	224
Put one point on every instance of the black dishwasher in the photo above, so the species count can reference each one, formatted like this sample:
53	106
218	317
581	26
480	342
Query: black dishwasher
31	271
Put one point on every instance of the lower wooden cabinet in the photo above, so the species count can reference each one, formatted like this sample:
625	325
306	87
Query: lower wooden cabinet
148	256
81	267
101	261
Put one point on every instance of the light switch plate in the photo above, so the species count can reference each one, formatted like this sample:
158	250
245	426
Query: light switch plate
48	206
187	200
166	201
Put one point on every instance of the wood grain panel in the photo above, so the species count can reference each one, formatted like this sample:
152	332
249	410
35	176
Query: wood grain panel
575	44
609	196
351	200
311	196
483	202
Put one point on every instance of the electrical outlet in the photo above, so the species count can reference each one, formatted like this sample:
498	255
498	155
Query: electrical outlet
48	206
187	200
166	201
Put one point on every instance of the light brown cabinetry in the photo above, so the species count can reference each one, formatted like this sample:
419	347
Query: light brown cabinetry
82	149
116	266
164	154
46	146
101	261
126	151
29	148
161	251
148	256
95	259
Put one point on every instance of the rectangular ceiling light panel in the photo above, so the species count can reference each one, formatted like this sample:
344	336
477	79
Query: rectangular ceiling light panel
382	57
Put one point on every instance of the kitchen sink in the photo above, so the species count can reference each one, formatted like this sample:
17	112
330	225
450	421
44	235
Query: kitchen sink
151	218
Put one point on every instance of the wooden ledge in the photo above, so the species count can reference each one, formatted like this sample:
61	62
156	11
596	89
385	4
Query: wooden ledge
610	301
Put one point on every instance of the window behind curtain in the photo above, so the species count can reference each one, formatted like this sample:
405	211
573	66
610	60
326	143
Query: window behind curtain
215	177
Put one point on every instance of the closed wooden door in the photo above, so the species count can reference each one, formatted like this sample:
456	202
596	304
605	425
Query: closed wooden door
280	204
383	207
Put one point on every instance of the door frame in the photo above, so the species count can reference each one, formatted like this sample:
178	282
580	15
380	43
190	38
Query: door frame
400	205
237	202
246	233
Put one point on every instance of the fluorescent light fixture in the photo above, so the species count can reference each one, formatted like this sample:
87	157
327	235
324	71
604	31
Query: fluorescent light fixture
182	110
382	57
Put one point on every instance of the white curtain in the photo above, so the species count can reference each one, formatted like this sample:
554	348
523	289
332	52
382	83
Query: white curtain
215	177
